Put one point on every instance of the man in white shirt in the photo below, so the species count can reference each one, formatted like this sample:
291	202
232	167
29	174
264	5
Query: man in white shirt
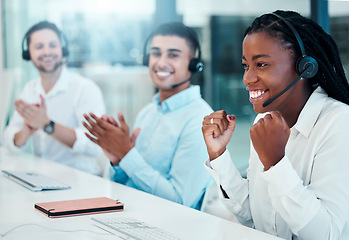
51	108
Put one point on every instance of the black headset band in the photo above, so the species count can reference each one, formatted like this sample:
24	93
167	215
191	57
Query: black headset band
62	38
193	39
295	33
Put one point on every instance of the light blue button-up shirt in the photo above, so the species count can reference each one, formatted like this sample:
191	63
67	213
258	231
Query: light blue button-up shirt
169	153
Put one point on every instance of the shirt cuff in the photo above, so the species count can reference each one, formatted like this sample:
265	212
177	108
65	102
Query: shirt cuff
132	162
223	171
282	177
9	143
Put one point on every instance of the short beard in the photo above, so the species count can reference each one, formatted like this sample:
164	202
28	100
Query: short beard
57	65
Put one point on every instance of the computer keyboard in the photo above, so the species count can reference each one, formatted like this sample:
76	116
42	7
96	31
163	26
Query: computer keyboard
35	181
130	228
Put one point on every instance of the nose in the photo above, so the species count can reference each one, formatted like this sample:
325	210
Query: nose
162	61
250	77
46	50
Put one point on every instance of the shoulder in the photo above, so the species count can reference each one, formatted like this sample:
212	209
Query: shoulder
335	111
147	109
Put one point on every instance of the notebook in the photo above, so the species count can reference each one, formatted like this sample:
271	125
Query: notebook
79	207
35	181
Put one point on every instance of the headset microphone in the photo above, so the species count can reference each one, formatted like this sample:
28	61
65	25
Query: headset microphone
179	84
286	89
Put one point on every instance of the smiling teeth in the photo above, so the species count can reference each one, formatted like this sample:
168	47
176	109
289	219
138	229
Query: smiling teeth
163	74
256	94
48	59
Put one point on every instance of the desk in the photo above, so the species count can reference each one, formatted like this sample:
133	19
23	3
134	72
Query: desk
17	207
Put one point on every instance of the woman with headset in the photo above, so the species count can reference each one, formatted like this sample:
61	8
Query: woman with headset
298	176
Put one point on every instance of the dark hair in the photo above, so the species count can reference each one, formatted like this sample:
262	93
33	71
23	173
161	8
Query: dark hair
317	43
42	25
180	30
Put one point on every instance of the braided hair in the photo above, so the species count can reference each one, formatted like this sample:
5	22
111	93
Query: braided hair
317	43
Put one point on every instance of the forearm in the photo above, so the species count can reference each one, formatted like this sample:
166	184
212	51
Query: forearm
148	179
64	134
21	138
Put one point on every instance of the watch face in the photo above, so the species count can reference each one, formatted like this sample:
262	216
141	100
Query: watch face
49	128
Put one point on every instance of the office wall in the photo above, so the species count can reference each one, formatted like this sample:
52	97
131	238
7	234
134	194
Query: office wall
106	43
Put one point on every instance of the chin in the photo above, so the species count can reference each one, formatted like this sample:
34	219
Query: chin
260	109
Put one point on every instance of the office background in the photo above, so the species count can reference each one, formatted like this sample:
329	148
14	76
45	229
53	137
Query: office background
106	37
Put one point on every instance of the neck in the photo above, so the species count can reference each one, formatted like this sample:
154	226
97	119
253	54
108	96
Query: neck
294	110
165	94
48	80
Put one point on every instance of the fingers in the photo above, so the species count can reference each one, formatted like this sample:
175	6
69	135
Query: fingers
24	109
217	121
43	104
92	139
104	117
134	135
123	124
93	126
113	121
277	115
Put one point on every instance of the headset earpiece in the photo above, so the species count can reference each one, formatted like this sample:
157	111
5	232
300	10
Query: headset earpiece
65	52
196	65
146	59
308	65
26	55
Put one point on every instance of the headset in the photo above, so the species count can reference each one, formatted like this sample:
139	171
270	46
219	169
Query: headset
195	65
40	26
306	66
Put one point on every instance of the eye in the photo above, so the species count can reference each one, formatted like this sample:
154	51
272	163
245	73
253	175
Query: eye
38	46
172	55
245	66
53	45
155	54
262	64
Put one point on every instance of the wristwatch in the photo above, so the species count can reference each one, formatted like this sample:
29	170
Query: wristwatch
50	127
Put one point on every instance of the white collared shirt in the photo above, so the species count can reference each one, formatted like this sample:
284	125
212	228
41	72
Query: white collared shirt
306	194
71	96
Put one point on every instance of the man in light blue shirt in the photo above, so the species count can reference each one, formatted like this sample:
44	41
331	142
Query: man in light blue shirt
164	155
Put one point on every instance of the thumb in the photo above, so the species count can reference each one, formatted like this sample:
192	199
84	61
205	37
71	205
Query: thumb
43	104
134	135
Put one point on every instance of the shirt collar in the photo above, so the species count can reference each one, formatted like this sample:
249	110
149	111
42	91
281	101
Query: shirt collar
311	112
61	85
178	100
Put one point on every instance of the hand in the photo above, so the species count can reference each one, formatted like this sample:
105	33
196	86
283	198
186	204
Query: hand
269	137
114	160
34	115
217	134
114	139
28	130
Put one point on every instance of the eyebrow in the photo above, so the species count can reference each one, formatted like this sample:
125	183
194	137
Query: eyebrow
169	50
257	56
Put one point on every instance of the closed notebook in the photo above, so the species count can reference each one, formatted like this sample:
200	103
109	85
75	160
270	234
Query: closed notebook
79	207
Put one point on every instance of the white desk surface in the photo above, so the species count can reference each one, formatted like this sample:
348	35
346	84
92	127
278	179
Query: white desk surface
17	208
